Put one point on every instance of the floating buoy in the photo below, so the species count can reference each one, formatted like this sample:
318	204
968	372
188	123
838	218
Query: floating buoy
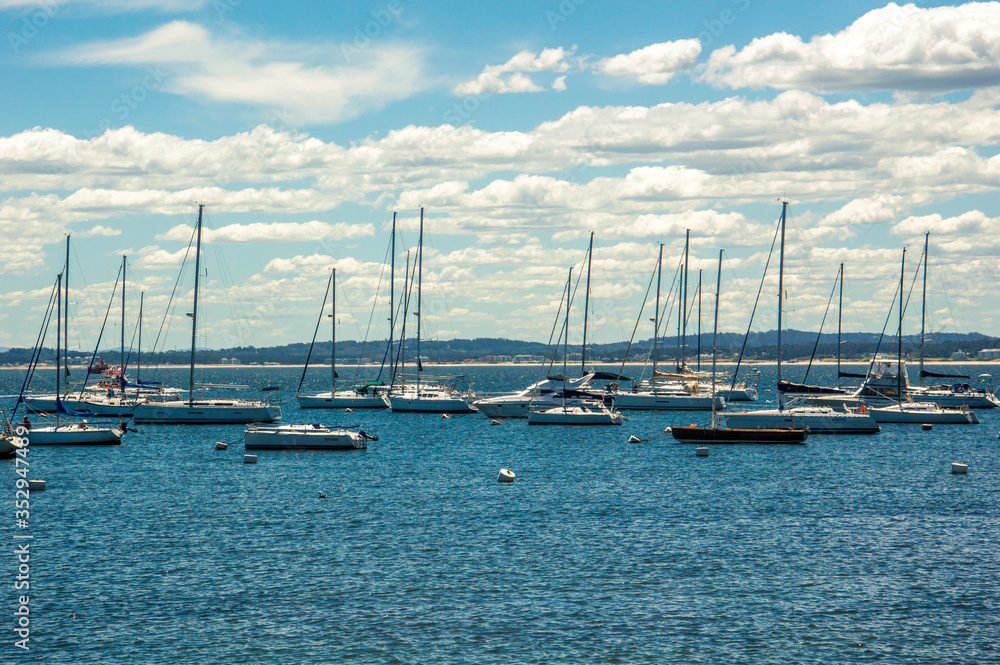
505	476
445	415
958	467
701	451
928	426
668	430
322	496
494	422
348	410
250	458
634	439
36	485
221	445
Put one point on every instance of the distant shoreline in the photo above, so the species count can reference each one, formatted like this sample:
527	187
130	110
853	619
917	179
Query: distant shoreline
705	366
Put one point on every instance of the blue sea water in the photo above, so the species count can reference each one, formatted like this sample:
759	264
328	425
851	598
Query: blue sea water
850	549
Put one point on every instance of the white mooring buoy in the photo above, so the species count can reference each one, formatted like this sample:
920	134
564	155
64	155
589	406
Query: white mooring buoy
634	439
249	458
505	476
494	422
928	426
36	485
667	430
958	467
445	415
221	445
701	451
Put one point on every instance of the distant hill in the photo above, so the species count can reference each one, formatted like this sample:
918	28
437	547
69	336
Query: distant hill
760	346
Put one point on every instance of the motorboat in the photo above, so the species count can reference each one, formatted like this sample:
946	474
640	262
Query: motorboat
304	437
592	413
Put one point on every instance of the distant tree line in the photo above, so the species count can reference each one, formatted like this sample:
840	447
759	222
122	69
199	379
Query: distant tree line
796	345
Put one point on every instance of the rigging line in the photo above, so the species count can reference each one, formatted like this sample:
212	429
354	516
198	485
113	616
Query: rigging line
542	368
649	287
753	312
378	290
942	276
173	292
736	280
821	324
107	313
319	320
888	317
37	351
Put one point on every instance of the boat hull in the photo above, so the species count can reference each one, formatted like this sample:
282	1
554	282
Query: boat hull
693	434
206	412
429	404
574	416
73	435
934	416
302	437
8	446
819	420
342	400
652	401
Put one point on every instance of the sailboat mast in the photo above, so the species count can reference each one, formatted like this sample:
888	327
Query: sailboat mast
194	313
392	296
656	317
899	335
715	333
420	279
699	319
569	283
923	308
333	336
138	350
684	334
840	313
781	287
59	332
66	305
586	308
121	363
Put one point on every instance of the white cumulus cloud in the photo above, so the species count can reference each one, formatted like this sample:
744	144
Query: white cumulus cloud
903	48
655	64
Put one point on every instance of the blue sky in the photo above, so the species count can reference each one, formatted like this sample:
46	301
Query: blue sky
520	127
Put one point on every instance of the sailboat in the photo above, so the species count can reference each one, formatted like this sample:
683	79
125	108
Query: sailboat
577	412
714	434
364	396
203	411
554	390
955	394
682	391
819	419
905	410
421	396
81	433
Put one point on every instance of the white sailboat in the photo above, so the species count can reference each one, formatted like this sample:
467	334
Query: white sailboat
673	392
192	411
549	391
423	396
905	410
581	412
365	396
78	433
819	419
304	437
